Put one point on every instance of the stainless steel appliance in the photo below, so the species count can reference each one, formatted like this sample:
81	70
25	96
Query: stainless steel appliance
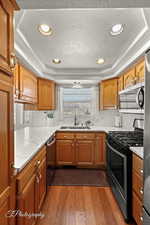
51	159
146	208
132	98
119	166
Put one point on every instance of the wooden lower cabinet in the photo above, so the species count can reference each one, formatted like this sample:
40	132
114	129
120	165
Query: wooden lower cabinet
85	152
31	189
137	189
100	154
80	149
65	152
26	203
40	186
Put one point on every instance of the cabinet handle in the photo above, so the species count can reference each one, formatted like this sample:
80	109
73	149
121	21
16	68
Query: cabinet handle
14	173
37	180
13	60
141	191
141	171
141	218
65	136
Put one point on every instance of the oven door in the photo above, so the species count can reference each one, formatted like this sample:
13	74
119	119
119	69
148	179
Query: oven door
117	169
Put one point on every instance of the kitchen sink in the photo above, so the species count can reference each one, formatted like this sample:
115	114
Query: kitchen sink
75	127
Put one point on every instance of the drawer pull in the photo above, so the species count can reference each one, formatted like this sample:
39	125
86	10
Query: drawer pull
141	171
65	136
141	218
141	191
38	162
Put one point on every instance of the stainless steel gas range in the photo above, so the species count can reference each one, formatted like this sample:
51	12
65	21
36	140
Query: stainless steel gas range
119	166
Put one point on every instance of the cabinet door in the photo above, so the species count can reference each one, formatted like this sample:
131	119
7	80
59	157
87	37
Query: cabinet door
120	83
140	71
6	35
65	152
26	203
40	185
130	78
109	94
100	154
28	86
85	152
6	149
46	94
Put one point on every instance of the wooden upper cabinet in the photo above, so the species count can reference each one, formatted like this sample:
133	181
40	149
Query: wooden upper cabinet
120	83
140	71
6	35
109	94
28	85
46	94
130	78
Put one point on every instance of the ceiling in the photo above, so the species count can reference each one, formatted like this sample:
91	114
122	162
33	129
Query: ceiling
55	4
80	37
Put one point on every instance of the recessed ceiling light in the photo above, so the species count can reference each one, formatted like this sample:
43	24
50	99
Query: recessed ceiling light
56	61
116	29
100	61
45	29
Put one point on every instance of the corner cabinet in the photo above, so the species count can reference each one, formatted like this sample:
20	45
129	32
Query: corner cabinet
7	176
46	94
109	94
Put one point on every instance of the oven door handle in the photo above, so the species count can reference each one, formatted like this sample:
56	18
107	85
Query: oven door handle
114	150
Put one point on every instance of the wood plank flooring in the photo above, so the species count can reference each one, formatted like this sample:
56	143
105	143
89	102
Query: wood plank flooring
70	205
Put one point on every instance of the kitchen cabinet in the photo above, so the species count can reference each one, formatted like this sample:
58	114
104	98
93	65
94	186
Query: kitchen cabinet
40	187
7	57
85	152
140	71
31	187
46	94
100	154
65	152
28	85
109	94
137	188
7	176
26	203
120	83
80	149
130	78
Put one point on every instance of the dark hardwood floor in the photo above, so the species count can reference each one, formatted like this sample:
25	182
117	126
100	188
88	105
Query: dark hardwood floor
74	205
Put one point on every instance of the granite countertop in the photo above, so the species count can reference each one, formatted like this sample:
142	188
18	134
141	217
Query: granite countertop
29	140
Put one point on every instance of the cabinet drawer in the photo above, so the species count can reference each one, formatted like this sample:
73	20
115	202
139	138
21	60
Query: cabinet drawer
138	165
137	184
137	209
64	135
85	136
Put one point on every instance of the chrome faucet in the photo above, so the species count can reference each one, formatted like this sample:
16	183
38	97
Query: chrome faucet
75	120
